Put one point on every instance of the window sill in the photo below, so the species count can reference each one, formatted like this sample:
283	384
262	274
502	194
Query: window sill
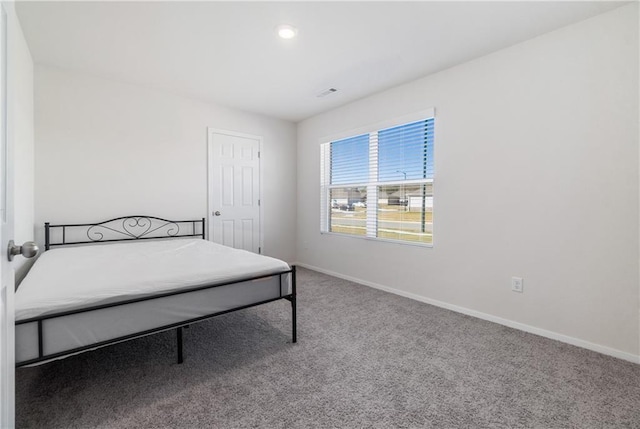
382	240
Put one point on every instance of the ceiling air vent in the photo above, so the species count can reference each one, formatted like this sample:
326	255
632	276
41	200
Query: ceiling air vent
326	92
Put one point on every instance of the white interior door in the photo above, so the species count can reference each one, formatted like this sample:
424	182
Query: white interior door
234	190
7	350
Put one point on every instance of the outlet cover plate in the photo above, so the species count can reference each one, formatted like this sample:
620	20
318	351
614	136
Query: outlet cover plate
516	284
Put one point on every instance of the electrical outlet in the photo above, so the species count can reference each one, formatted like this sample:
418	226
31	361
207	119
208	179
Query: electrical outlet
516	284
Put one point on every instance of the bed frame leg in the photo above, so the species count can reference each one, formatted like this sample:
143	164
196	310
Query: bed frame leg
179	336
294	319
293	315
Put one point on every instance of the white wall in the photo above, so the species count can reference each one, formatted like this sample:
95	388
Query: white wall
106	149
20	82
536	160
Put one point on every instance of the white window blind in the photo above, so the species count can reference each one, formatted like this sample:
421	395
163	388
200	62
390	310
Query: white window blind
380	184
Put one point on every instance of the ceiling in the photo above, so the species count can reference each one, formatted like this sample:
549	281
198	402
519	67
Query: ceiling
229	53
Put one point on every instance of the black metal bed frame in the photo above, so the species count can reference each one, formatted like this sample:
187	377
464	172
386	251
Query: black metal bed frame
143	228
131	228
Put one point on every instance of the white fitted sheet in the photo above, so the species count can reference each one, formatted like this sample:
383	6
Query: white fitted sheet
80	277
77	277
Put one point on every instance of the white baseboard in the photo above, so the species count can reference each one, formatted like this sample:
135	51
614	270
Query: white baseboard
484	316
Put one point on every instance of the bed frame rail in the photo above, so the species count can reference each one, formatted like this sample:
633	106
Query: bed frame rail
121	229
178	326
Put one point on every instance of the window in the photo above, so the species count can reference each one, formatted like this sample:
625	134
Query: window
380	184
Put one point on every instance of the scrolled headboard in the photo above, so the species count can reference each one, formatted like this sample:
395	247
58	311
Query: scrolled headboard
121	229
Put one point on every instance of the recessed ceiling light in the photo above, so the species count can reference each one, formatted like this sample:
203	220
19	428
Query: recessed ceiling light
287	31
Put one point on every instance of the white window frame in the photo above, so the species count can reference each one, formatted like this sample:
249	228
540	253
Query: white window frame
373	184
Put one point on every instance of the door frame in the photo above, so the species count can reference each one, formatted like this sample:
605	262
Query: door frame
7	274
210	180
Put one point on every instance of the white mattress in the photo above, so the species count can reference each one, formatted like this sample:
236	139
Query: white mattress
80	277
76	277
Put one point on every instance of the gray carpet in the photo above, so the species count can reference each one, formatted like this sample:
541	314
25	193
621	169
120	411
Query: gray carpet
364	359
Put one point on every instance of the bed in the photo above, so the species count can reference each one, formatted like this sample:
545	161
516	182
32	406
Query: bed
103	283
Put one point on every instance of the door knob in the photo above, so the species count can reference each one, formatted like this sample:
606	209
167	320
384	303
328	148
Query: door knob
29	249
216	213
